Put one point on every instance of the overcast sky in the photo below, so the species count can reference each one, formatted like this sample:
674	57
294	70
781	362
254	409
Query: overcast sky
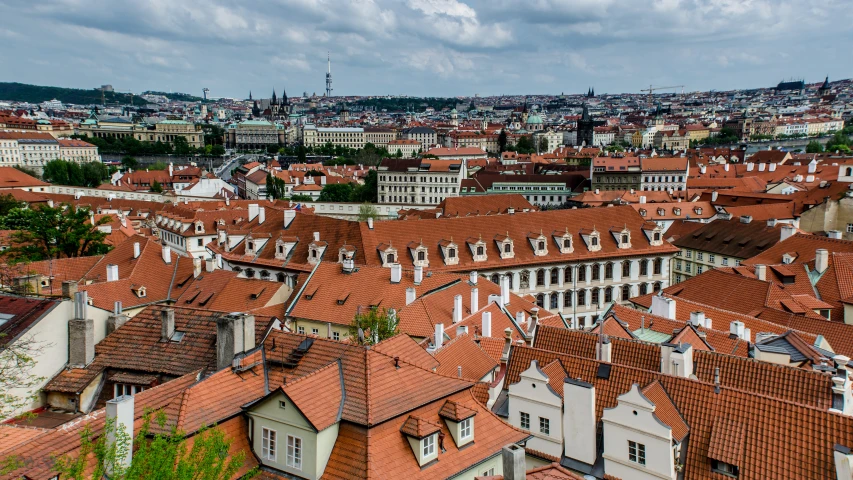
423	47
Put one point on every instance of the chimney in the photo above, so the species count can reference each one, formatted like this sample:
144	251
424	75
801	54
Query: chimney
771	222
761	272
289	215
370	223
472	278
703	169
69	288
841	386
253	211
812	166
112	273
135	249
316	236
737	329
714	196
745	219
461	330
534	320
410	295
120	413
663	307
676	359
235	334
457	308
519	317
504	289
218	258
167	324
475	299
396	272
836	234
821	260
348	265
604	351
726	167
117	319
262	215
597	191
438	341
419	274
514	462
787	232
486	330
771	167
761	167
642	199
579	426
209	265
697	319
167	254
81	333
510	211
227	201
750	166
843	460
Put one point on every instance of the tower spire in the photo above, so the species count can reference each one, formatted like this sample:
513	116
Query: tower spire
329	75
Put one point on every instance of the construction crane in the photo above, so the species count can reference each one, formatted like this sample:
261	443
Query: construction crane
651	89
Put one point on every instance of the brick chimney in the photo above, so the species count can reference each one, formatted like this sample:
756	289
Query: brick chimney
235	334
821	260
167	324
81	333
120	413
69	288
475	299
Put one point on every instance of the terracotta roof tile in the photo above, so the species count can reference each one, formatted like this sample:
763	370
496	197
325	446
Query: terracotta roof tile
322	410
463	352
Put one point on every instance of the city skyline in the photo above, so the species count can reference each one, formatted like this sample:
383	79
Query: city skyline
424	48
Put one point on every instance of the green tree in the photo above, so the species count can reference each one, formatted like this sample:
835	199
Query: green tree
9	203
217	150
365	211
502	141
158	165
275	187
299	197
17	360
94	173
369	191
56	172
814	147
163	456
336	192
181	146
57	232
372	325
839	141
129	162
15	219
525	145
301	154
543	145
156	187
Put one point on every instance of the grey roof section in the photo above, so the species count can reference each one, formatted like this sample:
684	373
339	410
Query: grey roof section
501	406
783	346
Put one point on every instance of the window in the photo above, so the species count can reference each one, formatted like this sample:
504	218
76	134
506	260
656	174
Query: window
608	295
489	472
294	452
544	426
725	261
699	269
525	421
689	253
711	257
582	273
421	256
451	253
595	296
268	444
724	468
120	389
540	277
700	256
636	452
568	274
200	242
658	266
567	299
626	268
465	429
582	297
626	292
389	260
315	331
336	336
596	272
594	241
608	271
850	228
481	251
644	267
429	446
301	330
555	276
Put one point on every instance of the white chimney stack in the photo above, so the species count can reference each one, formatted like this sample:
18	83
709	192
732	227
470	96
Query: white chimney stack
396	272
821	260
472	277
410	295
197	264
761	272
519	317
419	274
836	234
771	167
439	335
750	166
135	249
253	211
209	265
788	231
737	329
761	167
289	215
218	258
663	307
697	319
370	223
167	254
475	299
262	215
457	308
505	289
316	236
487	324
642	199
112	273
120	413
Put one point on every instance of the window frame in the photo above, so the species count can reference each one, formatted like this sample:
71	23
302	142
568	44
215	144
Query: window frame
545	426
637	451
428	446
524	420
293	459
269	444
466	426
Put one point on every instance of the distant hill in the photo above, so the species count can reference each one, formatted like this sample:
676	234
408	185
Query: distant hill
176	96
22	92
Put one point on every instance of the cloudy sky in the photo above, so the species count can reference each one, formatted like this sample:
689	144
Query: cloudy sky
423	47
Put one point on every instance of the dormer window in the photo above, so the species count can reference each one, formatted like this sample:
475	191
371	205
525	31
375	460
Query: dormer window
507	248
478	249
419	253
250	247
450	251
676	211
481	251
541	245
594	241
388	255
624	238
661	211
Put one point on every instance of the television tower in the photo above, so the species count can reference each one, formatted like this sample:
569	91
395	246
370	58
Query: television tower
329	76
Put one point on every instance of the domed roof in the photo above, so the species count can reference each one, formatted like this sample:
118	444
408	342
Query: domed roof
534	119
453	111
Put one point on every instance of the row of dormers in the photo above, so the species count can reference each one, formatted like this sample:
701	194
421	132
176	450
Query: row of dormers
539	243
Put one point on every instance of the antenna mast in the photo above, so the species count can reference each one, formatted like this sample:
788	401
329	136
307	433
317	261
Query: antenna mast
329	76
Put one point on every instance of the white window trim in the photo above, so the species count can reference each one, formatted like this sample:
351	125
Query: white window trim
269	452
428	446
464	425
291	443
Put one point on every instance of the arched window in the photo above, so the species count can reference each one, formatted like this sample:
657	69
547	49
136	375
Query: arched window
555	301
250	273
540	277
594	241
496	278
451	253
507	247
555	276
644	289
644	267
568	275
657	286
567	299
608	271
596	296
265	274
596	272
421	256
582	297
608	295
658	266
481	251
279	277
567	244
540	300
626	268
582	273
626	292
390	258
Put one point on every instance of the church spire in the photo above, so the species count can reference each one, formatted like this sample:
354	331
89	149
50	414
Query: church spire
273	97
250	95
